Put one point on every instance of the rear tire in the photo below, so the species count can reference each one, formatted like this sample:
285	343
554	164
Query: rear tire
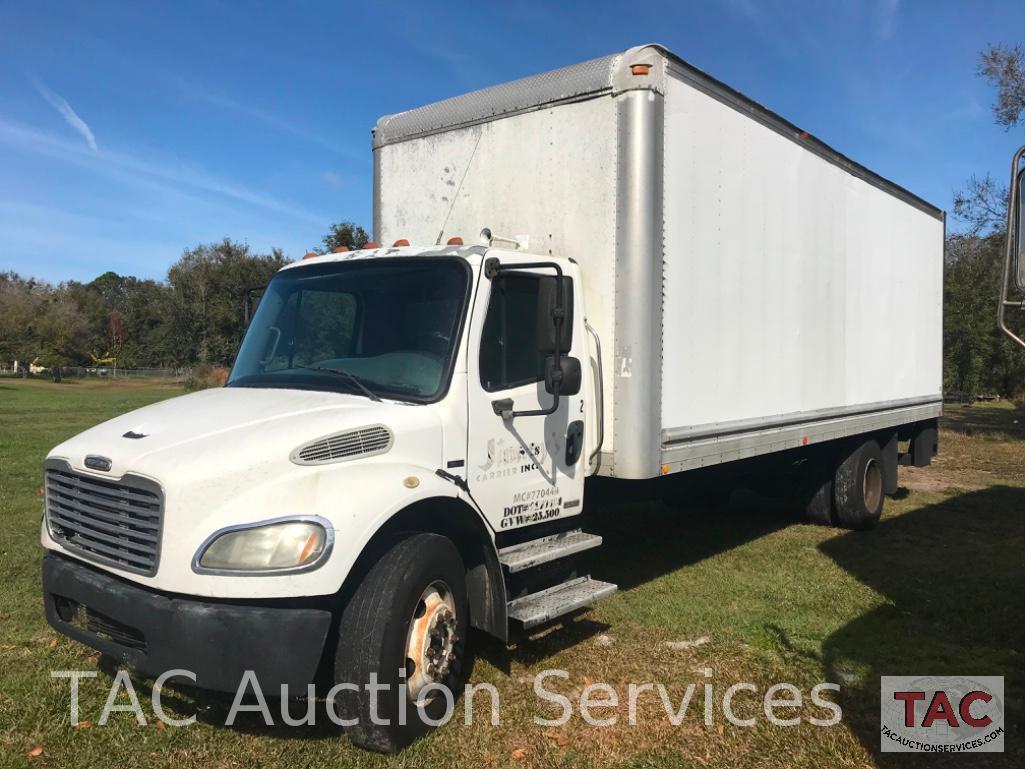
815	487
818	508
411	604
858	487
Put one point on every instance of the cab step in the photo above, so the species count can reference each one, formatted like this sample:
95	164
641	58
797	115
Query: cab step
538	551
536	608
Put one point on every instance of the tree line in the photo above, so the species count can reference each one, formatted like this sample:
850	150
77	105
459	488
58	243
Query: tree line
195	315
977	358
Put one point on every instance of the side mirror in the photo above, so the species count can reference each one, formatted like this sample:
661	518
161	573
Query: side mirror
545	320
565	381
250	301
1016	235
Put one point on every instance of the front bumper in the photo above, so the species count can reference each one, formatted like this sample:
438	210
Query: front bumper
153	632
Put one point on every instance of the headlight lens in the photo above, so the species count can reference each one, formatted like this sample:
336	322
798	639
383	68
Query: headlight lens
277	546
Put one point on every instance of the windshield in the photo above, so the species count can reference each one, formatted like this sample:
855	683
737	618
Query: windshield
378	328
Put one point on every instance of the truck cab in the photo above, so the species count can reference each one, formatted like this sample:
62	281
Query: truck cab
395	420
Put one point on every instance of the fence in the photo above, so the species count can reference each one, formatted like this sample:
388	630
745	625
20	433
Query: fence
969	398
100	372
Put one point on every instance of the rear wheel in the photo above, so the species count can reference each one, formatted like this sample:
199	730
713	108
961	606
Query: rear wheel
858	487
405	627
818	497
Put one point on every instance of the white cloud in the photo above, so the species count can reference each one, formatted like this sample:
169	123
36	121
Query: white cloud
765	23
81	239
71	117
886	18
175	178
253	112
332	179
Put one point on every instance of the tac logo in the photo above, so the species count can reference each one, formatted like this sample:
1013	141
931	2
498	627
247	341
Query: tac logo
942	714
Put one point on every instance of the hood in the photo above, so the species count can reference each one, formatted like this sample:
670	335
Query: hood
223	458
203	429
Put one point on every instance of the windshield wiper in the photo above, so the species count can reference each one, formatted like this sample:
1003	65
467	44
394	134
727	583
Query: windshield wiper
351	377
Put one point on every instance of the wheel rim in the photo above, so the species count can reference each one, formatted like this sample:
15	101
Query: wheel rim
872	485
431	643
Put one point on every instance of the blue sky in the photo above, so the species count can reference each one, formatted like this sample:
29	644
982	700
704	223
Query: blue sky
130	131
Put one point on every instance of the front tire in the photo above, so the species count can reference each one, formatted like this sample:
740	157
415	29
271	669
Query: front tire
406	624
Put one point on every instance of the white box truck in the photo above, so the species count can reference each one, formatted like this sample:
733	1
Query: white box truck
670	282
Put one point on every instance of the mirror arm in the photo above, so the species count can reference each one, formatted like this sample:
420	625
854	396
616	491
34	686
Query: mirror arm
1009	255
508	414
247	298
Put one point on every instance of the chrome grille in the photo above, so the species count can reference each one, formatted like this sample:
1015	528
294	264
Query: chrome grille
365	441
113	522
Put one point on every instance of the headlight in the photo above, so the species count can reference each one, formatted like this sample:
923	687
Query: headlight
269	547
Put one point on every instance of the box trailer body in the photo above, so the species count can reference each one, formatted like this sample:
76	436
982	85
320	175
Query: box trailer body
753	289
670	280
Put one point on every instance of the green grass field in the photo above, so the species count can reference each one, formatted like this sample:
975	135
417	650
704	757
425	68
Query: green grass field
938	588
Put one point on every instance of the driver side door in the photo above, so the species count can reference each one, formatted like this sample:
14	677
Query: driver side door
519	470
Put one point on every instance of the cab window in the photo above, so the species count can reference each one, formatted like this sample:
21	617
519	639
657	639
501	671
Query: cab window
508	347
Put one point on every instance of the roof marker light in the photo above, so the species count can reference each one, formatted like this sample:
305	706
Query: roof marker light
339	249
640	69
456	241
400	242
369	244
311	255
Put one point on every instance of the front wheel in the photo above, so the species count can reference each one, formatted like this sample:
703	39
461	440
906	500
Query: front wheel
404	628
